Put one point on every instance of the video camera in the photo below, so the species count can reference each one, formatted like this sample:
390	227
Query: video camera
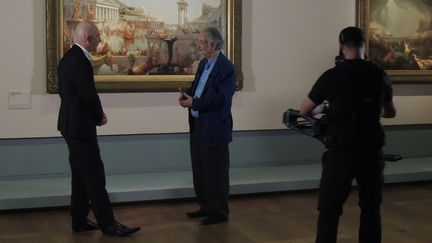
316	128
309	125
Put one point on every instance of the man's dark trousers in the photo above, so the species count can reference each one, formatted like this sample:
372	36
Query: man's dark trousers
88	181
210	168
340	167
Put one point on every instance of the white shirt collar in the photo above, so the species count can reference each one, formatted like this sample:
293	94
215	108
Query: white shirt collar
86	53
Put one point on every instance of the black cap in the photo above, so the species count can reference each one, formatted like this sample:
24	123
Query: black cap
352	35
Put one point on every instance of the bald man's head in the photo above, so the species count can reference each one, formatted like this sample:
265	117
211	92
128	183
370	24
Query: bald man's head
87	35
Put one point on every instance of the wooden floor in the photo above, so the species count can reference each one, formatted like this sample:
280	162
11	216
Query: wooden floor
278	218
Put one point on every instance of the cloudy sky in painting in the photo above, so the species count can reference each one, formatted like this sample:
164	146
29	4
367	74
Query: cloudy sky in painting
402	17
166	10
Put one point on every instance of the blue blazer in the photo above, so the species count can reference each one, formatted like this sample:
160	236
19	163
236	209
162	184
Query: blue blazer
214	105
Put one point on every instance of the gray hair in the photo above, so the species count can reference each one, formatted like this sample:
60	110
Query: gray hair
214	37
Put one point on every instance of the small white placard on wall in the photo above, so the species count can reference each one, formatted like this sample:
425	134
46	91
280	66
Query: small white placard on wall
19	100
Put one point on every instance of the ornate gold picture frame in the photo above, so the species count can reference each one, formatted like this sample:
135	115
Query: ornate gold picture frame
399	37
146	45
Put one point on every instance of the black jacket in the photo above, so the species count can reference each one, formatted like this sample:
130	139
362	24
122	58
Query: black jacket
80	110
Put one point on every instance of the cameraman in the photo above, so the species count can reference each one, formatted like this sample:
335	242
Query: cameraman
358	94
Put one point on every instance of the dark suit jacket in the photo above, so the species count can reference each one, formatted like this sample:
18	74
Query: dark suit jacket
80	109
214	105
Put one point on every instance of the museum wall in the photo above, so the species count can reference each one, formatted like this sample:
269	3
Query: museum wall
286	45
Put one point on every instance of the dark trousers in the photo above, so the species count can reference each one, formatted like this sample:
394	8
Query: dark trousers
340	167
88	182
210	169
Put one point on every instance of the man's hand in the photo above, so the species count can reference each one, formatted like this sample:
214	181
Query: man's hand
185	100
389	110
181	97
104	120
319	109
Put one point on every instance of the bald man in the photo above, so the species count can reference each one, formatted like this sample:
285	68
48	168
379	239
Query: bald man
80	112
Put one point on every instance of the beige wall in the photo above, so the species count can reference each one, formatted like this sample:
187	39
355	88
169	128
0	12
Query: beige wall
286	46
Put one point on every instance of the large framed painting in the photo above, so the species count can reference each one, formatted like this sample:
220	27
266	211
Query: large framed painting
147	45
399	37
